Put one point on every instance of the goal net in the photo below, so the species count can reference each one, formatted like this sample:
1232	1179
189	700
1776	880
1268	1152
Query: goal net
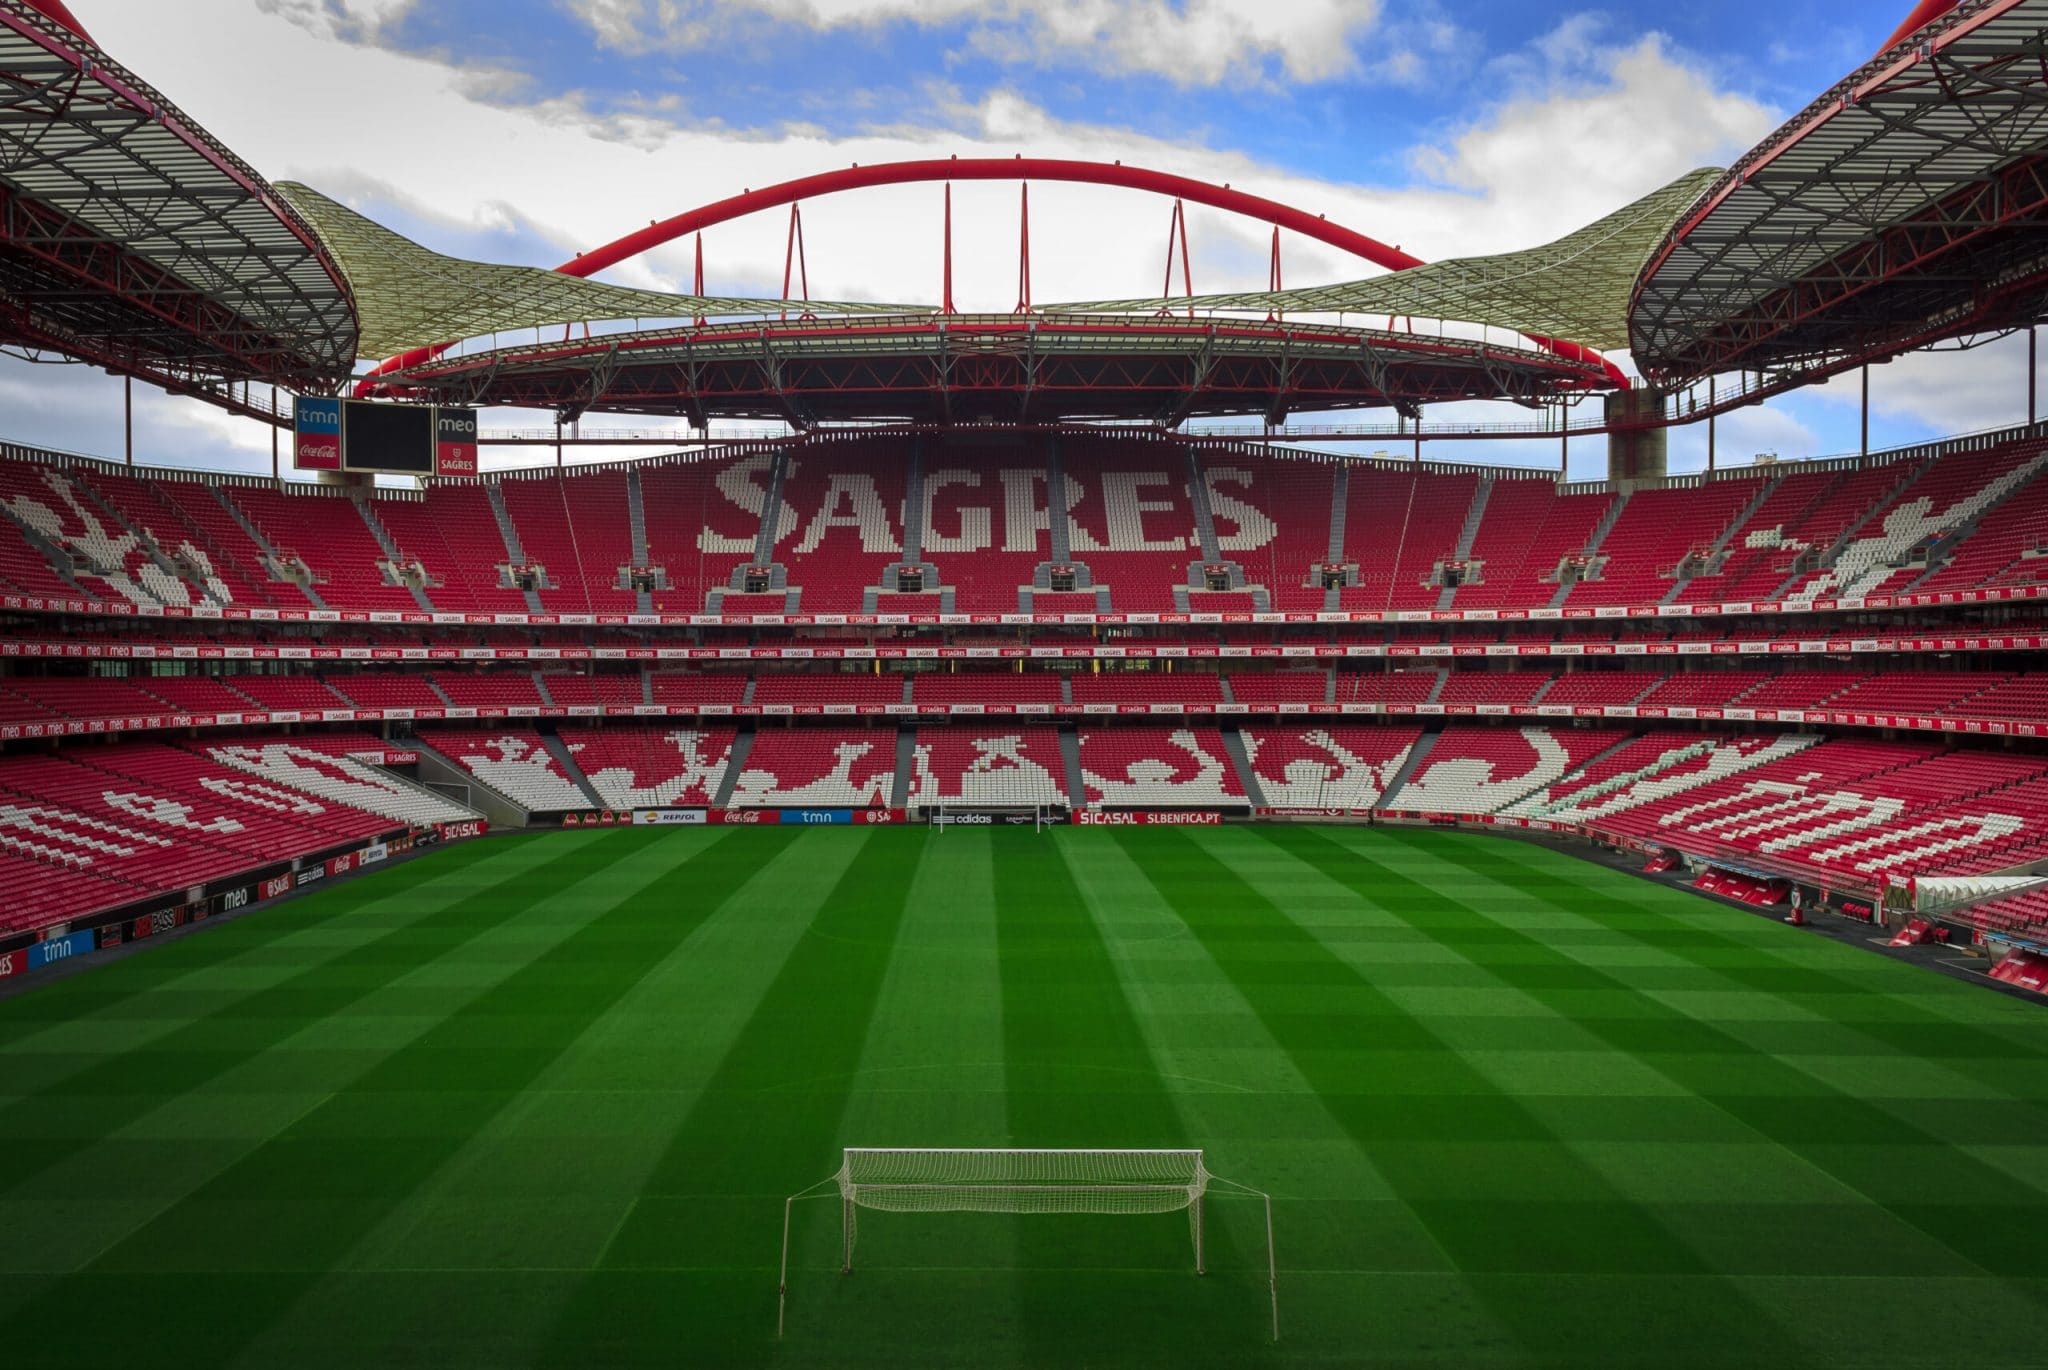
1009	1180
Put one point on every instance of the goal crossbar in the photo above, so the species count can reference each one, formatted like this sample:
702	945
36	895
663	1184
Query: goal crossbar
1021	1180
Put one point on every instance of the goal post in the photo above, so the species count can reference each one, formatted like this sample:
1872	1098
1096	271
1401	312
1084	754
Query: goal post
1021	1180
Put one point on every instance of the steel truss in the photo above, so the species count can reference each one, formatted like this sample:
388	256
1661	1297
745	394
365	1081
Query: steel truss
134	241
1004	368
1905	206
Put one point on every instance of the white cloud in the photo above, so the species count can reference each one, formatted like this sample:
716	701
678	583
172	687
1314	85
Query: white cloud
1591	126
1942	392
357	20
1191	43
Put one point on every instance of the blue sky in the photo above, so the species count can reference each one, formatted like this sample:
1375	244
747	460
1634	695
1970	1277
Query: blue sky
520	130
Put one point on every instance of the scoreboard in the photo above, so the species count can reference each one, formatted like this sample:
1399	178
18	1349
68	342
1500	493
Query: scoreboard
370	438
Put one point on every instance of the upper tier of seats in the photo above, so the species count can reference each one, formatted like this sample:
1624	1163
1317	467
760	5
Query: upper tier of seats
1146	526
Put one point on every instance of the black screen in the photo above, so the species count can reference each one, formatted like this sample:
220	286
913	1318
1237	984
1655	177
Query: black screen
388	437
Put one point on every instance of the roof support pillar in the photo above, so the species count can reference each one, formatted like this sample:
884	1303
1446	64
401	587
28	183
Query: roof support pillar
128	417
1637	453
1863	449
2033	374
1710	425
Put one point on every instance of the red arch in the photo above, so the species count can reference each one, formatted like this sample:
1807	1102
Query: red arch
991	169
999	169
1924	13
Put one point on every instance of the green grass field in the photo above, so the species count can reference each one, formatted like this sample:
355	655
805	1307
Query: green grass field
537	1100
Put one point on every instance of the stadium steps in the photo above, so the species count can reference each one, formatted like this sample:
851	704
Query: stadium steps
270	553
435	686
1545	688
1330	685
143	539
1234	748
515	551
1070	754
540	687
913	505
1944	552
1885	500
1592	547
771	515
1056	505
1340	497
1205	517
59	562
392	552
742	748
1467	535
1223	684
747	694
1727	535
501	809
636	519
1436	691
906	761
567	761
1417	754
647	686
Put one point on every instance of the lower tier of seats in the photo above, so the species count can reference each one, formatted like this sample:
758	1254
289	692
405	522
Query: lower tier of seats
100	824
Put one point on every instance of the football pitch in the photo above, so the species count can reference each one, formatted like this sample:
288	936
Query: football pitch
537	1101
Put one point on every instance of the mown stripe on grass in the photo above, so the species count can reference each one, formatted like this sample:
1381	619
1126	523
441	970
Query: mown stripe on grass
1881	1157
1853	994
272	1223
1897	1005
118	1089
1079	1073
1416	1105
763	1126
151	970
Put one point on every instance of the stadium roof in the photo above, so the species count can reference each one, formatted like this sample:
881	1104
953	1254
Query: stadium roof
130	238
1903	207
1000	367
1577	287
408	296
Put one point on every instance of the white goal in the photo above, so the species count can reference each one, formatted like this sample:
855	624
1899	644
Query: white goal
1007	1180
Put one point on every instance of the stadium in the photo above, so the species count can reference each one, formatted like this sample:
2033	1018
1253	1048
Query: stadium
1198	879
